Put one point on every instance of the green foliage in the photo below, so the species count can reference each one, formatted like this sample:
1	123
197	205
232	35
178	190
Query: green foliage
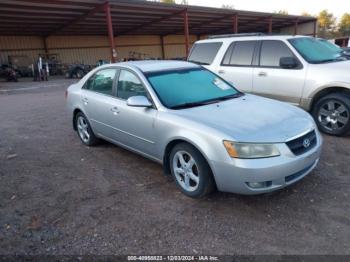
326	24
168	1
281	12
344	24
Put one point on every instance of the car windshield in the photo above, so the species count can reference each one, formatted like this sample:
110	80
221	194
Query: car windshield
316	51
190	87
330	45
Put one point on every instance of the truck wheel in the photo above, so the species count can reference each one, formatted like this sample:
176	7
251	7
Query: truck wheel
332	114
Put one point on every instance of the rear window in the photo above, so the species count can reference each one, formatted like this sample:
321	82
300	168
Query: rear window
240	53
204	53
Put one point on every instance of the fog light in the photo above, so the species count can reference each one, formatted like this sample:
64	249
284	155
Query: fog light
257	185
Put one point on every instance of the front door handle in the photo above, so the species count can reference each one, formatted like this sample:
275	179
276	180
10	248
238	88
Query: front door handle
85	100
221	71
115	110
262	74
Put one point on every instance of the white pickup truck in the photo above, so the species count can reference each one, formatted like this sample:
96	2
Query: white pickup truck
309	72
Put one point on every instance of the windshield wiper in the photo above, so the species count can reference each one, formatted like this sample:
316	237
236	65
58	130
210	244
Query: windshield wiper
330	60
206	102
193	104
229	97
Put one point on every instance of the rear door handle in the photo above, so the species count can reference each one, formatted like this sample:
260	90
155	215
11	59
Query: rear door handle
221	71
85	100
262	74
115	110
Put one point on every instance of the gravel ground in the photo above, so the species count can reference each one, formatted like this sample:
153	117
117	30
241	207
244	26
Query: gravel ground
60	197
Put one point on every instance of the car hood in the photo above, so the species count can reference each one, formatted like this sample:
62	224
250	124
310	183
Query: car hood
252	119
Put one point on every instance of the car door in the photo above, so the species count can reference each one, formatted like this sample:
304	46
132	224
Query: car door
273	81
134	126
237	65
98	101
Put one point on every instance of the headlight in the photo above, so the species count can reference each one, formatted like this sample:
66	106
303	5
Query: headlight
249	150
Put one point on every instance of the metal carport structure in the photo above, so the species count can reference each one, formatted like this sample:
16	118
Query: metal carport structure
134	17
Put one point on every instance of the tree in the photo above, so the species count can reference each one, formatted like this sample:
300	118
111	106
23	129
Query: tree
281	12
168	1
344	24
326	23
306	14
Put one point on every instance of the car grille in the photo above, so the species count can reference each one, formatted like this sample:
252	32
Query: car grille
298	174
303	144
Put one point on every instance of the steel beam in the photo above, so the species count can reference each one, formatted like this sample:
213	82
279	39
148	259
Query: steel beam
152	22
93	11
315	28
162	46
296	26
235	24
270	25
107	10
186	32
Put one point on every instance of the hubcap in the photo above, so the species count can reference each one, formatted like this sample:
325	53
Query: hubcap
186	171
83	129
333	115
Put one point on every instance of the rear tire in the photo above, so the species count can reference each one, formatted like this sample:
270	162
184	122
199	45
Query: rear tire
191	171
332	114
84	130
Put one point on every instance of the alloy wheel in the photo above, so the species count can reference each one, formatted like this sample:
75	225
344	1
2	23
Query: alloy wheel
186	171
333	115
83	129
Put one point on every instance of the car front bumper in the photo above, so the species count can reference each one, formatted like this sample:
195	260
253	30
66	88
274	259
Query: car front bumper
274	173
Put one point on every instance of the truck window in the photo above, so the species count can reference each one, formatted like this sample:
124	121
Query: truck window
239	53
204	53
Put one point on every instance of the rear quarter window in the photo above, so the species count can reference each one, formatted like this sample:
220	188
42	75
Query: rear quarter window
204	53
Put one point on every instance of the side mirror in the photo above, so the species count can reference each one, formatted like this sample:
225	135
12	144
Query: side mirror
288	62
138	101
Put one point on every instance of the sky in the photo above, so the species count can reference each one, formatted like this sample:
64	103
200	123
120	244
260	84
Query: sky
294	7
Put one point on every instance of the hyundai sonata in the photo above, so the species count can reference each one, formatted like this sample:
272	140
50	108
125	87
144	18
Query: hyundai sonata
207	134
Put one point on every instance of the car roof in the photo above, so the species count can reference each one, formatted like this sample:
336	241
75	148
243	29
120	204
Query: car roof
157	65
258	37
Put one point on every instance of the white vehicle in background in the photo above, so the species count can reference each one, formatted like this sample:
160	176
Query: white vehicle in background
305	71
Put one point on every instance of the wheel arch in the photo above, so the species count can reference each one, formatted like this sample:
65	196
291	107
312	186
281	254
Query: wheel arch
171	144
326	91
75	112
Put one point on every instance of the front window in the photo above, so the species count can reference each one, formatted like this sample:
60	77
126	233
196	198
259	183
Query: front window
316	51
129	85
191	87
272	51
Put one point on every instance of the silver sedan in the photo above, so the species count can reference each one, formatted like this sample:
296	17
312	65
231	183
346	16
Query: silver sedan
205	133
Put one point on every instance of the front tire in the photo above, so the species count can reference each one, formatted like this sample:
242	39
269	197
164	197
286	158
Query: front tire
191	171
85	133
332	114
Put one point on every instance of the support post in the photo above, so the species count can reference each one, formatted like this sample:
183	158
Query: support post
270	25
186	32
315	28
235	24
107	10
162	46
296	27
45	45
